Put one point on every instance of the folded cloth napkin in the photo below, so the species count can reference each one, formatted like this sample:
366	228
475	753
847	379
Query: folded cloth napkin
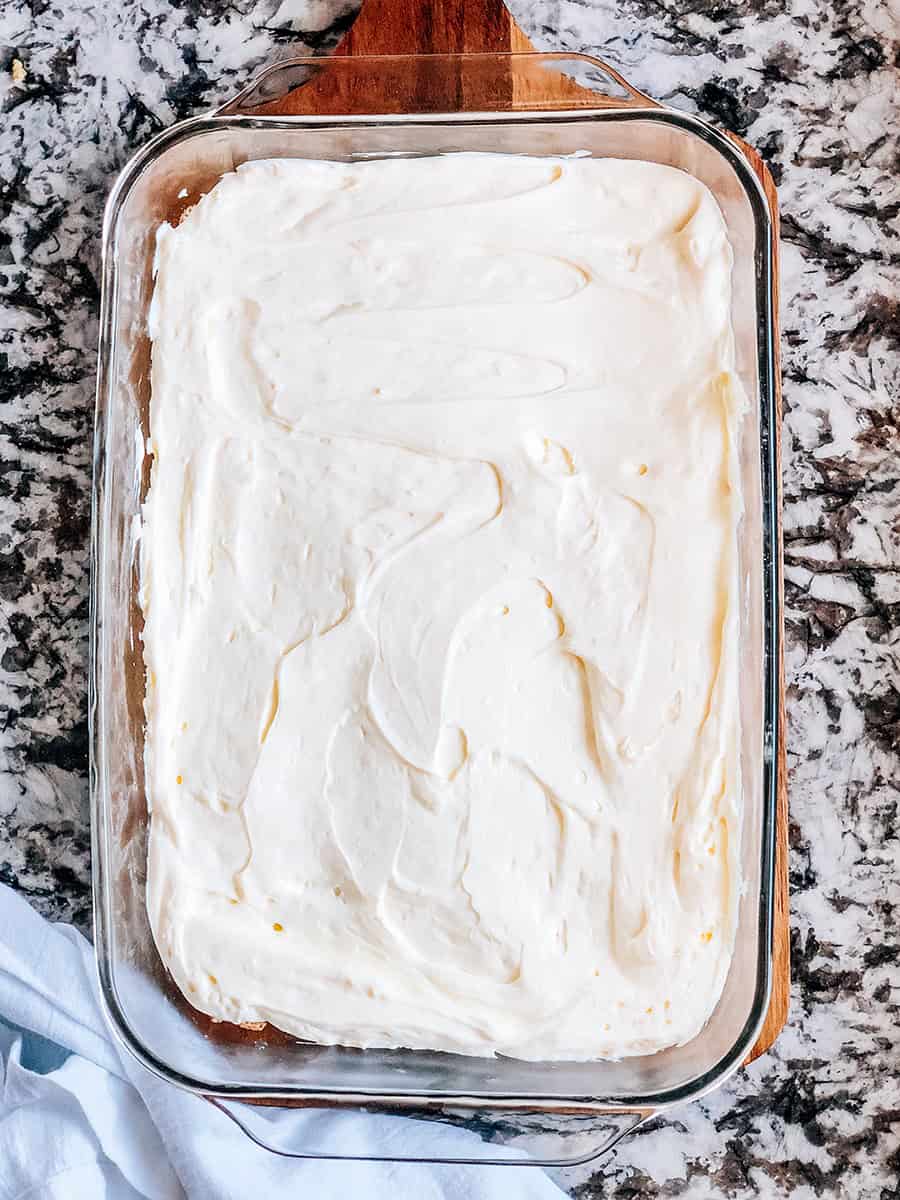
81	1118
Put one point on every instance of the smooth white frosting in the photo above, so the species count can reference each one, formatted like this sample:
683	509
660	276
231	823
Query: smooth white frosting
439	572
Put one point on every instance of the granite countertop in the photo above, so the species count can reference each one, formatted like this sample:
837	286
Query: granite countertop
815	87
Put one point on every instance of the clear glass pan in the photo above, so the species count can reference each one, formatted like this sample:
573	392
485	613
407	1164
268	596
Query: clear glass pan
143	1006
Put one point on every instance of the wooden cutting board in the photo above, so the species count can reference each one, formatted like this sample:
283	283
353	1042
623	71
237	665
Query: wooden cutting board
447	27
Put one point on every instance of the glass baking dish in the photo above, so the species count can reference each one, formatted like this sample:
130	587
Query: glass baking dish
565	1112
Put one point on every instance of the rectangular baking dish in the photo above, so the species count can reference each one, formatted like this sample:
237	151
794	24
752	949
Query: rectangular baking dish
143	1006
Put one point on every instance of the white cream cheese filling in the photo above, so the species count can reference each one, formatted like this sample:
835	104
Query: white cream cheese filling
439	575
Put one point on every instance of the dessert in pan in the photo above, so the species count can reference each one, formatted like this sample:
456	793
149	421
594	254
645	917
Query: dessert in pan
439	571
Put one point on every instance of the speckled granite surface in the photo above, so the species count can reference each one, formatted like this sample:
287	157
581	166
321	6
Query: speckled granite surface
813	85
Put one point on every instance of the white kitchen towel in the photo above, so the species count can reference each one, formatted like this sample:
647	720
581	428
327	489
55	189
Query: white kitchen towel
81	1119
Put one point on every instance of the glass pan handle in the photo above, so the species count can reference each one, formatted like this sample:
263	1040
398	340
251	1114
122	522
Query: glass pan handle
477	1137
410	85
